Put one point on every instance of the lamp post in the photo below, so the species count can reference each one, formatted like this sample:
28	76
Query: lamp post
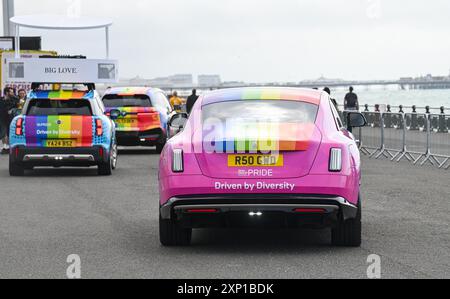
8	13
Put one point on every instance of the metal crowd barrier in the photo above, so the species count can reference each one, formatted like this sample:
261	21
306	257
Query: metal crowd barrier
419	138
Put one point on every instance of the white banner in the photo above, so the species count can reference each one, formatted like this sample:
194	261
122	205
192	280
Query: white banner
62	70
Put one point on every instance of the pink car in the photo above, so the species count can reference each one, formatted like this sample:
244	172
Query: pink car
261	157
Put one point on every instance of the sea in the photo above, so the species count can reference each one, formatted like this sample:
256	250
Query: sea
421	98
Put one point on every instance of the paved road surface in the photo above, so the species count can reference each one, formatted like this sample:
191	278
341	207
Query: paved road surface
112	223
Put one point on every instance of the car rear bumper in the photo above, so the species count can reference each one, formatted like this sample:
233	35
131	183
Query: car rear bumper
175	186
41	156
132	138
246	209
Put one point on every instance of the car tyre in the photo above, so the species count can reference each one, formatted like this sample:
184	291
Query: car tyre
106	168
15	169
160	147
172	234
348	233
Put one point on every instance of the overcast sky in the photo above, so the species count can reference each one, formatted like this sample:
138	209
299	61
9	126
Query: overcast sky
261	40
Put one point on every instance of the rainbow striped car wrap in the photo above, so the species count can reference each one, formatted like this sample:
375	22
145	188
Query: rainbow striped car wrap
138	119
285	94
79	130
39	129
247	137
265	138
61	94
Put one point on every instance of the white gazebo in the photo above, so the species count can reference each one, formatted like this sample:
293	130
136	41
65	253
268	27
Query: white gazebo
57	22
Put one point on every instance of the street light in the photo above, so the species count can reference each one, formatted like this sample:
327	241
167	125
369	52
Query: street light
8	13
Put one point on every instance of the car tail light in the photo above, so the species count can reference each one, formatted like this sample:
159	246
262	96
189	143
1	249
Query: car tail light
177	161
98	127
19	127
335	160
200	211
309	210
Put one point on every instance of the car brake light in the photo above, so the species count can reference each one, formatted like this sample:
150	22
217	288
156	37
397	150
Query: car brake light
19	127
177	161
335	160
309	210
98	127
199	211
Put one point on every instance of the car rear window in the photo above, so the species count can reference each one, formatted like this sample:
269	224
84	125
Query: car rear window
115	101
273	111
41	107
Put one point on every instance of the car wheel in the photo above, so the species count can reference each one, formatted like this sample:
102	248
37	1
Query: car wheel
159	148
348	233
172	234
114	156
14	168
106	168
160	145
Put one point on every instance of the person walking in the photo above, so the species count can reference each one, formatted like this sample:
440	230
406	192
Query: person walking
351	100
191	101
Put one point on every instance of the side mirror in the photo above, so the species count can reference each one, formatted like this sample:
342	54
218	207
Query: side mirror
177	123
114	114
356	120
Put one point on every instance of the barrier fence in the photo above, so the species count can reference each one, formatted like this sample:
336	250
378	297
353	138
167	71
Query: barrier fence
418	137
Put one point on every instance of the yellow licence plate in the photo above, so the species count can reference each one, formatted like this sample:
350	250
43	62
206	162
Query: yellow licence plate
60	143
125	121
255	161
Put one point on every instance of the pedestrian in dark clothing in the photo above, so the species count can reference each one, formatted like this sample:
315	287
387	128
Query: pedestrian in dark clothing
3	119
351	100
8	104
191	101
328	90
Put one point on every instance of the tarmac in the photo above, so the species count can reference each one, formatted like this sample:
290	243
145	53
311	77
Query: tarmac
112	224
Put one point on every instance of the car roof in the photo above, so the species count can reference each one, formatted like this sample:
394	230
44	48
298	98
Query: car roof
129	90
62	94
263	93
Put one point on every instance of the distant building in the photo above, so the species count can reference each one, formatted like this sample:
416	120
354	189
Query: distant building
138	81
209	81
182	80
160	82
229	84
175	81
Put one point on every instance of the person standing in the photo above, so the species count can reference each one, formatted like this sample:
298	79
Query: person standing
7	106
22	94
176	102
351	100
3	124
191	101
